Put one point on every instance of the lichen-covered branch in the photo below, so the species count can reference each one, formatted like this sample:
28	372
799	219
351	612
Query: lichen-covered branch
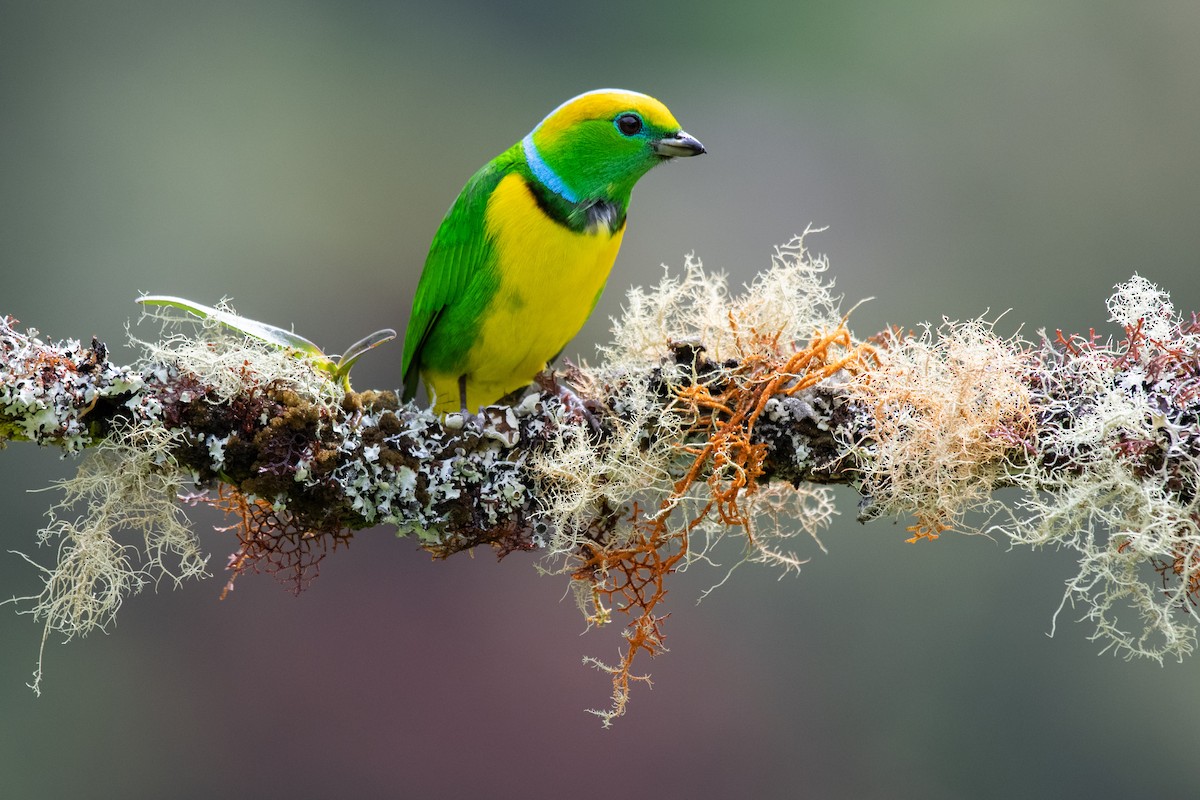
710	416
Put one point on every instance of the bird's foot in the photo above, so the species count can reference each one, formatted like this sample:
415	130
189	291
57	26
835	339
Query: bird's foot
576	408
463	420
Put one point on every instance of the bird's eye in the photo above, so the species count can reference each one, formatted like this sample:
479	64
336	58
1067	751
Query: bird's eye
629	124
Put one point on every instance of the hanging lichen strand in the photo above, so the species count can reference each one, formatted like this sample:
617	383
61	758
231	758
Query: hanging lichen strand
711	415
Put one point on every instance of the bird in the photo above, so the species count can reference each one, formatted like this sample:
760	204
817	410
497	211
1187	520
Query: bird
522	256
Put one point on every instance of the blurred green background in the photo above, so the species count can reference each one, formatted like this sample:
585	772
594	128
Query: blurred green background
297	157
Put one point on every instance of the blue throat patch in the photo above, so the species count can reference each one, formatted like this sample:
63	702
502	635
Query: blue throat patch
542	171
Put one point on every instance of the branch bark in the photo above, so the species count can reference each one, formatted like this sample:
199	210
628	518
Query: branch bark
745	403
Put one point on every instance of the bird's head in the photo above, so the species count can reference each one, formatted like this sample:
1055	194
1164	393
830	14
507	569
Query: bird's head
596	146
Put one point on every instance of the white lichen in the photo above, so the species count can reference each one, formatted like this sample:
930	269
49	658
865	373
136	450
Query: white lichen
1138	302
948	406
47	389
790	300
1132	524
118	527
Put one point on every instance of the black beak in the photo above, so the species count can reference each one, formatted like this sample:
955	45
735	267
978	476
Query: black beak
681	144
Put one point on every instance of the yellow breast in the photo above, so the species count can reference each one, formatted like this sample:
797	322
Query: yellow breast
550	278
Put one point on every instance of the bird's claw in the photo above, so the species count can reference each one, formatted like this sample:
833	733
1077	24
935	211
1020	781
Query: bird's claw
576	408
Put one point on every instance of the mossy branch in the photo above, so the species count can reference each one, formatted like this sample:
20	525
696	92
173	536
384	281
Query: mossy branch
710	416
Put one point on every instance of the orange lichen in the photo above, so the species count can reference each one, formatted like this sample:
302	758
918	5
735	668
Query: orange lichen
630	576
926	529
1183	566
271	541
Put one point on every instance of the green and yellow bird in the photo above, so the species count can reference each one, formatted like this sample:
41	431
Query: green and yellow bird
521	257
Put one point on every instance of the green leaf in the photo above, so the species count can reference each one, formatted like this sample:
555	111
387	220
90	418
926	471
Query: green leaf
279	337
270	334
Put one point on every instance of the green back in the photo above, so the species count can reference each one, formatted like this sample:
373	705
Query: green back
458	280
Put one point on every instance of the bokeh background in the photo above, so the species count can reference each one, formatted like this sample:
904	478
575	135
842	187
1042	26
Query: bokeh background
297	158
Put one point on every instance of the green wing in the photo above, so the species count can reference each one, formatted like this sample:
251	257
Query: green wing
454	284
